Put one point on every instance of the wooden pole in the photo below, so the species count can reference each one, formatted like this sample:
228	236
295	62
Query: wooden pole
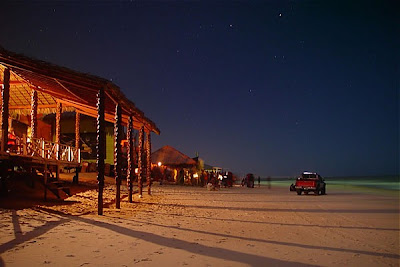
58	128
58	136
77	143
34	105
5	98
101	145
117	154
148	161
45	176
77	129
130	171
141	168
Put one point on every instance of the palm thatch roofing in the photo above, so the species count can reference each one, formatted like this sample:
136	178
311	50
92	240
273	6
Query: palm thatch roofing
171	157
75	90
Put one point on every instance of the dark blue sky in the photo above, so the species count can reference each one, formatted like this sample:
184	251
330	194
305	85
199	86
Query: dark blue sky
273	88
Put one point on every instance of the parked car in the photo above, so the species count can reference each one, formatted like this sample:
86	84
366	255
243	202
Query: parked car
309	182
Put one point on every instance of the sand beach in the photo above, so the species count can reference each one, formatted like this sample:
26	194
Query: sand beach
187	225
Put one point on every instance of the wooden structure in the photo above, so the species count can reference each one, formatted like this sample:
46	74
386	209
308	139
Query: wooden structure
32	88
171	158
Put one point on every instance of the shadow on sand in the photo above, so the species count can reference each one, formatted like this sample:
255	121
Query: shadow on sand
211	251
247	209
215	252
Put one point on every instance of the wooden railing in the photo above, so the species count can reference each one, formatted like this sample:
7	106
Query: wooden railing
35	147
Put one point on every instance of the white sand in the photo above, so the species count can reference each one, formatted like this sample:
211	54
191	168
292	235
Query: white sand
192	226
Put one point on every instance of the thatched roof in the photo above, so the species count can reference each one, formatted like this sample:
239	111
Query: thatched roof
171	157
76	90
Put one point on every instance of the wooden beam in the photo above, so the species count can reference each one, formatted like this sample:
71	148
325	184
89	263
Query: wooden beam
92	112
38	88
11	83
29	106
69	91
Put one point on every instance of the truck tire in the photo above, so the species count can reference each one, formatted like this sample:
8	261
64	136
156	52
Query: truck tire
317	192
298	192
323	191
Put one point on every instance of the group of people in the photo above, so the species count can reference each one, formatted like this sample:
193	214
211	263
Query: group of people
248	180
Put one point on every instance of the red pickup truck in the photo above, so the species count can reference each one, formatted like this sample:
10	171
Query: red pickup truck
310	181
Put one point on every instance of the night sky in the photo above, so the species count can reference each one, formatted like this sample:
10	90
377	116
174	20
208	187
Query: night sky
273	88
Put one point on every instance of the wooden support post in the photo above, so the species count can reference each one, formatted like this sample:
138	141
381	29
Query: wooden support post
34	105
77	143
5	98
58	137
101	146
130	171
45	180
58	167
77	129
58	129
117	154
148	162
141	168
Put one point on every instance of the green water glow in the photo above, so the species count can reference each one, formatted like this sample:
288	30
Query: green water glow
390	182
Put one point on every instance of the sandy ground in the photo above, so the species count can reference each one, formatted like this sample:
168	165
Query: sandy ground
184	225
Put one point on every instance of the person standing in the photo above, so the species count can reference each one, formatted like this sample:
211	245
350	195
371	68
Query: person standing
259	181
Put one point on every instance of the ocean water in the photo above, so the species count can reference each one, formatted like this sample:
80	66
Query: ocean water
387	182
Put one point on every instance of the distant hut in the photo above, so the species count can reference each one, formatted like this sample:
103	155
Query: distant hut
174	165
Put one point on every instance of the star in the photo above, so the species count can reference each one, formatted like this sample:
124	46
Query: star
280	14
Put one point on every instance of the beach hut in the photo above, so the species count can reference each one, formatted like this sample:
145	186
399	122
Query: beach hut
171	158
32	88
